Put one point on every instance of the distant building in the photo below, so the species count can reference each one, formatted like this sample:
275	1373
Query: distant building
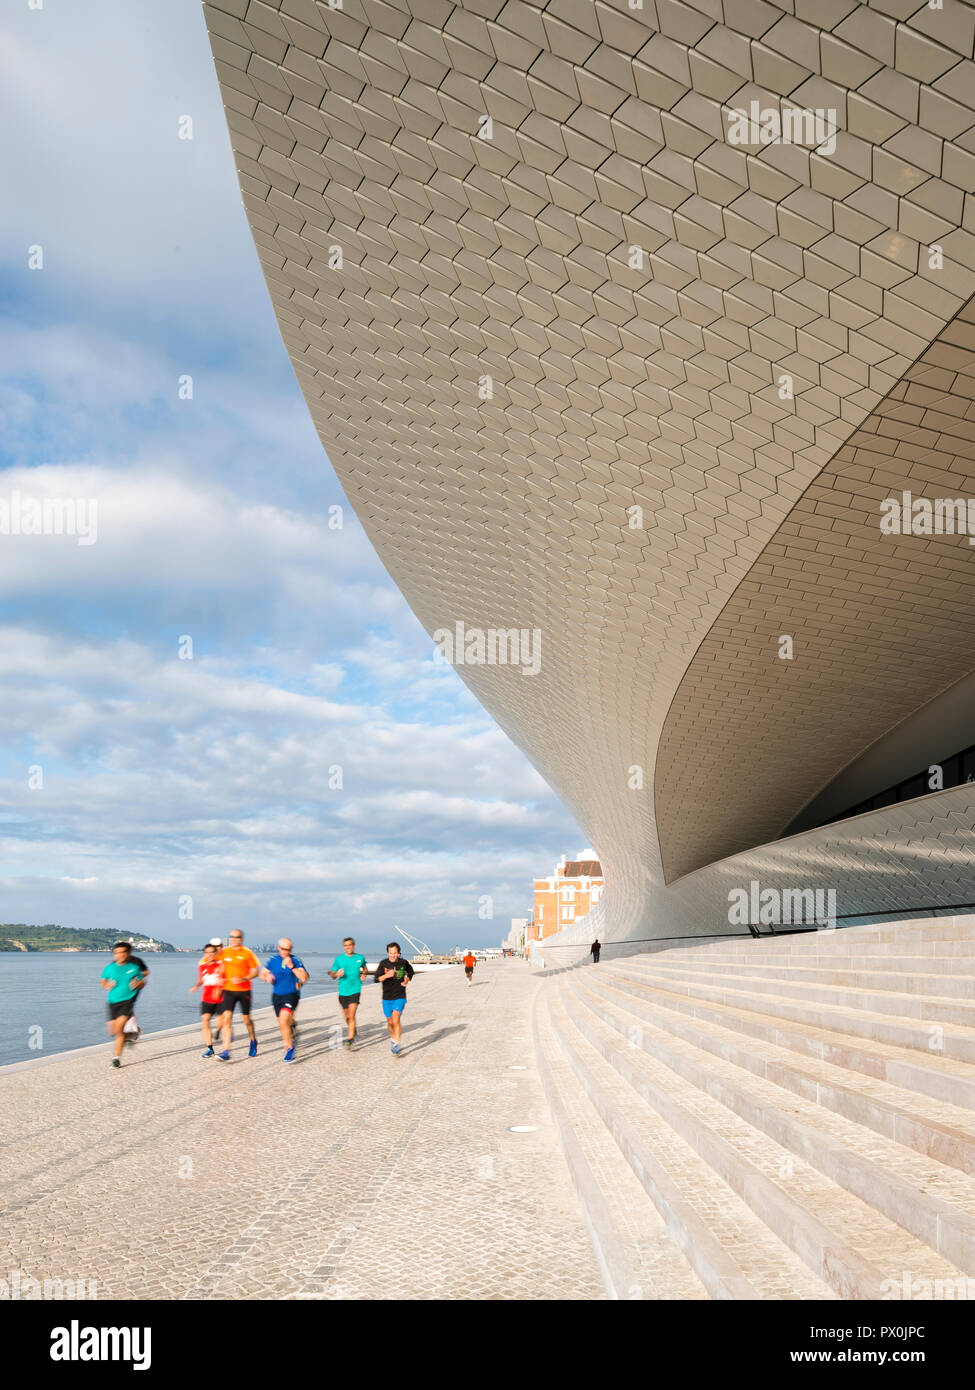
146	943
570	892
518	935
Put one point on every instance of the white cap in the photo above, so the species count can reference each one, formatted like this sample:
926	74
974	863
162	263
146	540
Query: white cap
215	941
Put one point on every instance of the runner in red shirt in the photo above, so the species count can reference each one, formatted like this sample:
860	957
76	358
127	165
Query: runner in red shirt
470	960
210	978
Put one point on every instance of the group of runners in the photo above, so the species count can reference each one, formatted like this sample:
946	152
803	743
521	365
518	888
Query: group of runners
224	976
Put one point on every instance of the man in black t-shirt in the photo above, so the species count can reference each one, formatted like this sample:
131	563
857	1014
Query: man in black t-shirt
394	973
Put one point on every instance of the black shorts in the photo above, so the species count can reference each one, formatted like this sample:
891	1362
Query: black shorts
124	1010
233	997
346	999
469	971
285	1001
214	1006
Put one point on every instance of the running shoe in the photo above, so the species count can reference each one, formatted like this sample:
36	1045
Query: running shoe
252	1050
116	1062
223	1056
134	1037
347	1042
289	1056
207	1053
394	1049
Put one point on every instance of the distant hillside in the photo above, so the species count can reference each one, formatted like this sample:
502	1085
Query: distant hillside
16	936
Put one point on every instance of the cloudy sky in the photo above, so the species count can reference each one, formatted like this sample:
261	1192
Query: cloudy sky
131	777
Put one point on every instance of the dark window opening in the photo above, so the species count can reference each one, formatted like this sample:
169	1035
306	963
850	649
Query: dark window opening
955	771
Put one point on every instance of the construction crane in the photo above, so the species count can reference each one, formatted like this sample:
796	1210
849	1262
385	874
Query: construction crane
420	947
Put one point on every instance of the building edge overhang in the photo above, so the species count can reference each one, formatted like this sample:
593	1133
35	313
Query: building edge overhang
879	625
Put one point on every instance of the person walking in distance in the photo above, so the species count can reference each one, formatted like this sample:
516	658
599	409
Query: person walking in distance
393	973
239	966
210	979
350	971
123	980
470	960
285	974
594	951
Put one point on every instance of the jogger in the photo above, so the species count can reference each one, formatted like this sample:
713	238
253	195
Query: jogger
240	966
210	978
285	974
123	980
393	973
350	970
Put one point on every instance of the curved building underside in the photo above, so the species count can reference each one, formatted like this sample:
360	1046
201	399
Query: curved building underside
586	366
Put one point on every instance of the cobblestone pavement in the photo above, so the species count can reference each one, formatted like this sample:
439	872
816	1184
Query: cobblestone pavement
345	1175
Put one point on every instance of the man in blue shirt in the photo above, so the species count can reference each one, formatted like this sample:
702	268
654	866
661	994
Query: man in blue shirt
285	974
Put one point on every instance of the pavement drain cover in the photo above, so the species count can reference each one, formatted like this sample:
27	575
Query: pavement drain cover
522	1129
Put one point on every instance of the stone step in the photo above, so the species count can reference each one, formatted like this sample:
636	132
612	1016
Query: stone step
946	966
842	1239
952	1041
932	1009
940	932
863	1187
939	984
636	1254
936	1129
949	949
930	1201
940	1078
933	956
731	1248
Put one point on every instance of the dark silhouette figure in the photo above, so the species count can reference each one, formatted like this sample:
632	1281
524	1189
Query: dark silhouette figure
594	951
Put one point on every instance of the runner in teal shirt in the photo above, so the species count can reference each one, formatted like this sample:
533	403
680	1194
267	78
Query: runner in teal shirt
122	979
353	967
122	974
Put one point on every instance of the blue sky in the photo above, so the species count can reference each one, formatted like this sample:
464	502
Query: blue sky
207	777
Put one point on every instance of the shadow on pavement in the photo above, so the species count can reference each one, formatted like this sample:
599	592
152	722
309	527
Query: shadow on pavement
377	1037
314	1040
433	1038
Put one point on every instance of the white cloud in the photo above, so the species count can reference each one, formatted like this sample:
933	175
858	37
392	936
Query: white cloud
208	777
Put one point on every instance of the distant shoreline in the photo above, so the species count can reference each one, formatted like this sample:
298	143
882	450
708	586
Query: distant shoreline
19	938
20	949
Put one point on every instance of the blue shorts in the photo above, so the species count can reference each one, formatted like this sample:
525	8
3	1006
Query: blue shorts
393	1006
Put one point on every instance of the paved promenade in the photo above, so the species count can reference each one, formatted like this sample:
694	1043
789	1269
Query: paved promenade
344	1175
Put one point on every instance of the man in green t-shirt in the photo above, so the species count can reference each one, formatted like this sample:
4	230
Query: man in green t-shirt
123	979
350	970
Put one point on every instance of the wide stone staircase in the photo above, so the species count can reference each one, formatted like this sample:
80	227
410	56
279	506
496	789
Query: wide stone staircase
778	1118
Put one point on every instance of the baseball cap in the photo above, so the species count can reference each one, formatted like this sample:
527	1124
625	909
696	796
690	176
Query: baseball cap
215	941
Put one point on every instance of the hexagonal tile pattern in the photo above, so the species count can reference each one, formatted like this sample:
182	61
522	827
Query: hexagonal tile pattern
584	364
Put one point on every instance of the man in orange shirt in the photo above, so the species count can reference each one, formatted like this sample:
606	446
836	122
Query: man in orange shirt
240	966
470	960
